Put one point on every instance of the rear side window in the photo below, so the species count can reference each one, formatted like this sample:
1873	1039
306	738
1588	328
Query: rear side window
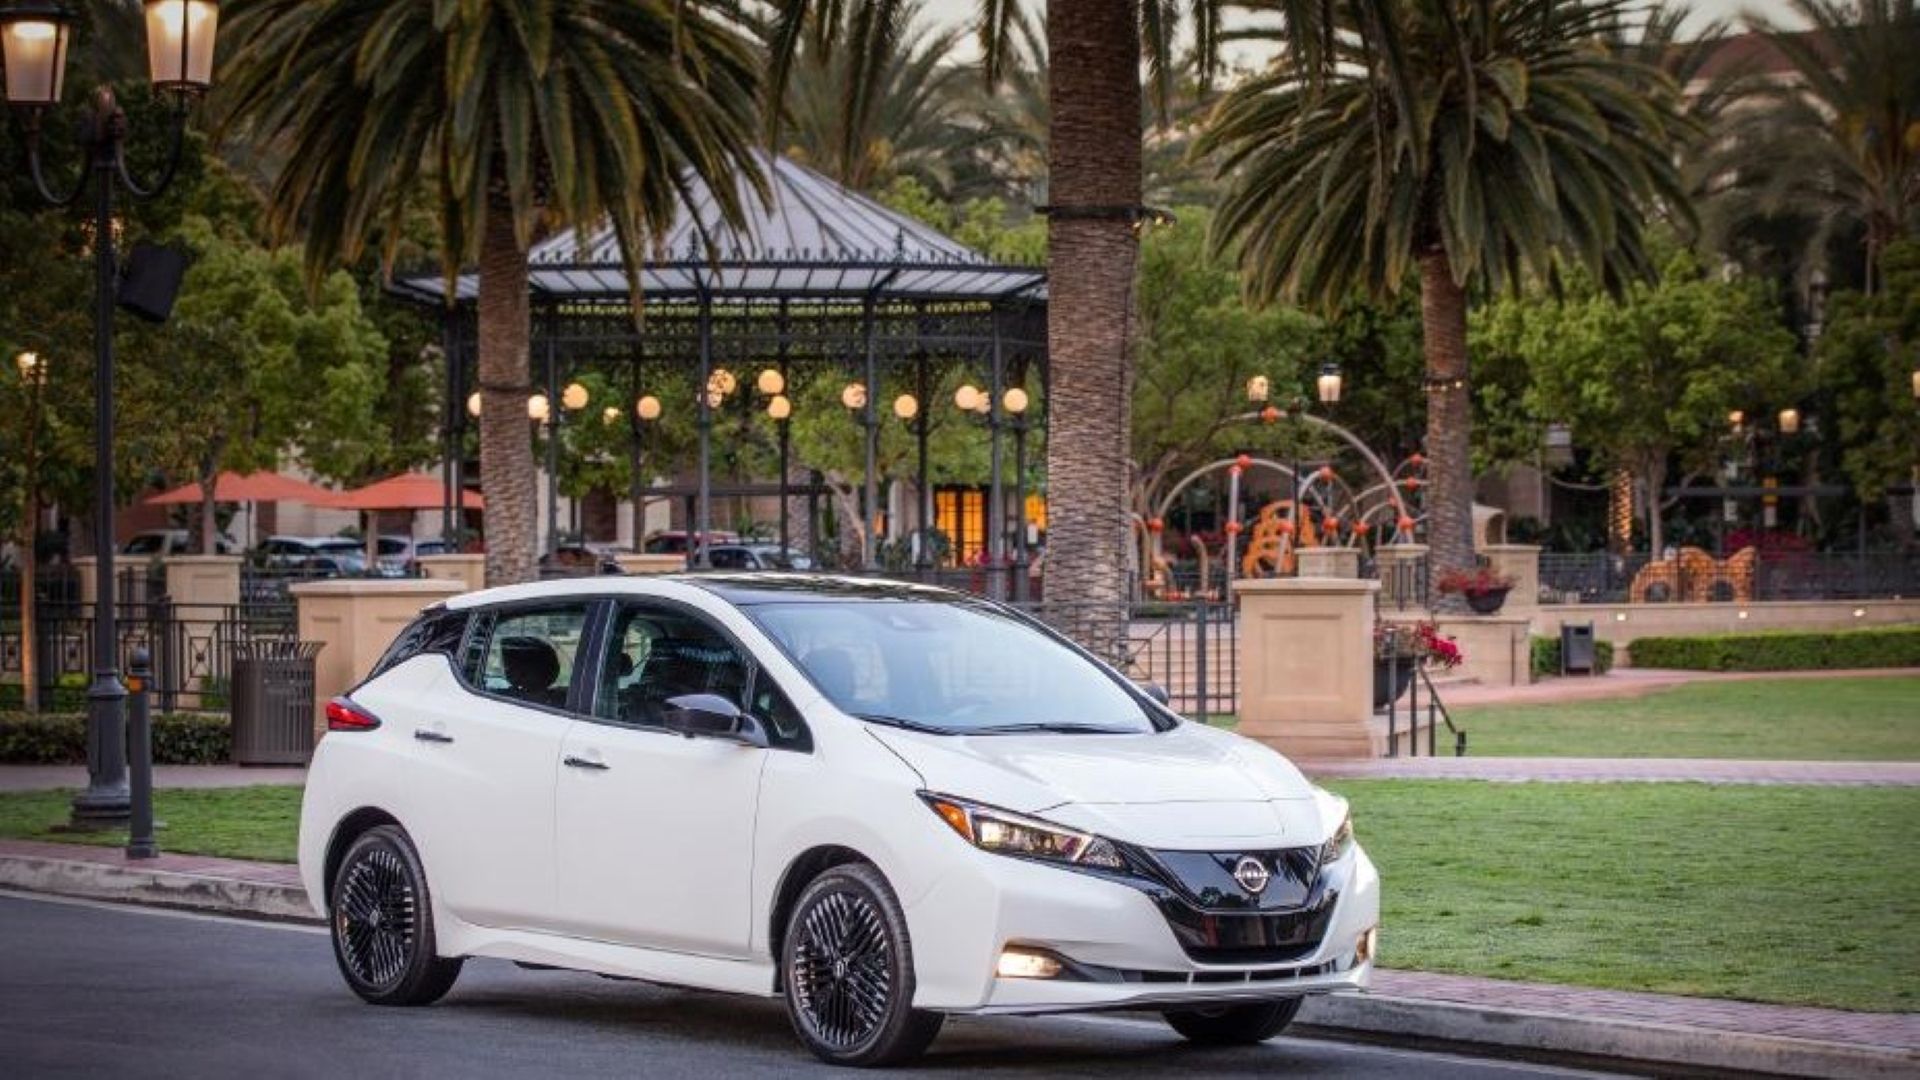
436	631
530	654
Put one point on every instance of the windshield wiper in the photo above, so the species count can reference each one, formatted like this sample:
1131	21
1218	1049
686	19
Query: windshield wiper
1062	729
901	722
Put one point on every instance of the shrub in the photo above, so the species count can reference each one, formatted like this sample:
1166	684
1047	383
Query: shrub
68	694
1546	656
61	739
1783	650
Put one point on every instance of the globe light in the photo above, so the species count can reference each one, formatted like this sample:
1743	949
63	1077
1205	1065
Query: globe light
473	404
854	396
771	382
714	399
610	415
1789	421
1328	384
1014	400
906	406
180	37
967	398
538	408
574	397
33	44
779	408
1258	388
721	381
33	368
647	408
1916	384
1736	419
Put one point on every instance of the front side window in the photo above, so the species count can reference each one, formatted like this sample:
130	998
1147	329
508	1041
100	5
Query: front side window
530	653
954	668
660	653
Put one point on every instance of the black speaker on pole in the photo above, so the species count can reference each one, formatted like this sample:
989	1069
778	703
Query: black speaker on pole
151	280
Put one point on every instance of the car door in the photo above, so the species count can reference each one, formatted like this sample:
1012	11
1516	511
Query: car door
655	841
486	746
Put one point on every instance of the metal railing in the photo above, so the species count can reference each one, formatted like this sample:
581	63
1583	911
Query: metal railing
1436	711
1602	578
191	649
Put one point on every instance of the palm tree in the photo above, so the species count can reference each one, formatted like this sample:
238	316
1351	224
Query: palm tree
1506	135
1839	138
508	118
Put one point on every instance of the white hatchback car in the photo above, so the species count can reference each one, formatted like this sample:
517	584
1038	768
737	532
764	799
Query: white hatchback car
885	802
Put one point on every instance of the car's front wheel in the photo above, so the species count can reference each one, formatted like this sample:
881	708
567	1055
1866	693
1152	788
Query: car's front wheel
847	966
1234	1025
382	918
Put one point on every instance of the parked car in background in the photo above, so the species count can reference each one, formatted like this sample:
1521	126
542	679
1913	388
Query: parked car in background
882	802
674	541
757	557
154	543
400	555
309	556
572	560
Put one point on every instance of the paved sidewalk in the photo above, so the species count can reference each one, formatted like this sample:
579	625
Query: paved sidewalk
1696	1033
48	777
1632	682
1610	770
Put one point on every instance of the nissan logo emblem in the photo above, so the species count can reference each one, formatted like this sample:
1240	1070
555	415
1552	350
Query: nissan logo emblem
1251	874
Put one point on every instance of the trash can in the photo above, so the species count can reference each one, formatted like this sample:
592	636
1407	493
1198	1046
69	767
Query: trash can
273	702
1576	649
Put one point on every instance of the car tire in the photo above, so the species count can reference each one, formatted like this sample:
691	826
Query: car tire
847	966
381	916
1234	1025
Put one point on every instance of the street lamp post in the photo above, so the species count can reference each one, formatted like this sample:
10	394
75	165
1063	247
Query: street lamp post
1014	403
34	36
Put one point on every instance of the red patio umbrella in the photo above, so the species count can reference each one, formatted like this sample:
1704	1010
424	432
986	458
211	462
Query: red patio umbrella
407	491
260	486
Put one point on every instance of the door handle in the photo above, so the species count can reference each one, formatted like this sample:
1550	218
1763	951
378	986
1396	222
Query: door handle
429	735
577	762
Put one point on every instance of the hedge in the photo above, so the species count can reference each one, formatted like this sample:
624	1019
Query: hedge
1783	650
1546	656
61	739
68	694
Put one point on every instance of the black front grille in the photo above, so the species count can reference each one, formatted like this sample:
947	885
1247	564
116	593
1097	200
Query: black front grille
1273	938
1218	920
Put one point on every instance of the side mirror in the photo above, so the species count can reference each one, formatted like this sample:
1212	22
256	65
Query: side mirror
1158	693
710	716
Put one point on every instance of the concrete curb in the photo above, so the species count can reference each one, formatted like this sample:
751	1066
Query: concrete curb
1378	1016
1656	1045
159	888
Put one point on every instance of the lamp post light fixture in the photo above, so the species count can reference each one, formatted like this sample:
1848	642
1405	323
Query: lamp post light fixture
1259	389
1737	420
1329	383
1789	421
1014	403
647	408
771	383
906	406
539	409
574	397
854	396
34	40
473	404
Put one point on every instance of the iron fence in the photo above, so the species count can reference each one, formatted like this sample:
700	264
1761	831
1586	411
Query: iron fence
1694	576
191	646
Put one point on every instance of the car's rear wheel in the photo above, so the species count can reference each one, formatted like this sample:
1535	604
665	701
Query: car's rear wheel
382	918
847	965
1234	1025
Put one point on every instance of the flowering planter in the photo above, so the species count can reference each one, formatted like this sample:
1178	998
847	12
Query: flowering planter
1486	601
1391	679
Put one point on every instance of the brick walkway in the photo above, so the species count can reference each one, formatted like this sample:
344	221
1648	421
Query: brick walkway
1793	1021
1608	770
1630	683
1893	1030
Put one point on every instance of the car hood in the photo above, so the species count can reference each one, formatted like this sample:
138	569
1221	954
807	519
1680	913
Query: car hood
1192	787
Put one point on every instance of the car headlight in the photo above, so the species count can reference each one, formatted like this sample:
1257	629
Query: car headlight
1005	833
1340	842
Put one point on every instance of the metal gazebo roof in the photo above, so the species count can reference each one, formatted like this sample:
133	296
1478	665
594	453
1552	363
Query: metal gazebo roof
810	239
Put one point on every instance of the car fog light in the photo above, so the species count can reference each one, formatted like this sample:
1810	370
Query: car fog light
1363	949
1025	964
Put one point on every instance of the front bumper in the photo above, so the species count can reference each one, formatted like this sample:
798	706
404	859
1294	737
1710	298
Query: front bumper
1121	950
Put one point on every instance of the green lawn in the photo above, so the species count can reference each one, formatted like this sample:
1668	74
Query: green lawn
1801	895
238	823
1875	719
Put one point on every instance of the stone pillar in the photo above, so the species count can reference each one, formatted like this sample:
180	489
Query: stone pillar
1521	562
1400	567
1306	665
202	581
1329	562
469	570
1496	647
650	564
355	619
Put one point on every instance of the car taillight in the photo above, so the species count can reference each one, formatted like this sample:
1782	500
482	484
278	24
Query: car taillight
344	715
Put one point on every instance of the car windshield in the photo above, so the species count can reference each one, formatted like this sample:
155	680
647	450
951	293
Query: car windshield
951	668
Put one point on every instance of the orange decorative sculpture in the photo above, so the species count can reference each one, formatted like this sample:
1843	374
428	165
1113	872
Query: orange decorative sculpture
1693	576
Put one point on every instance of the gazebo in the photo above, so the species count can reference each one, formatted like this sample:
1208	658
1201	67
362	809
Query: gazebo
818	280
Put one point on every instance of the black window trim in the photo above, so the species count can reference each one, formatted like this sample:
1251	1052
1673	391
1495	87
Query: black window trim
590	634
755	669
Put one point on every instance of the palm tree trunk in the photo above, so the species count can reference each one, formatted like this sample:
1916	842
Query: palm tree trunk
1443	327
506	453
1094	133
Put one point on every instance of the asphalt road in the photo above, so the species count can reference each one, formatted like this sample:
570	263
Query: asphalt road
98	991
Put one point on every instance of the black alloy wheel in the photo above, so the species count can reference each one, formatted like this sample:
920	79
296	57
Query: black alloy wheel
847	967
382	920
1234	1025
